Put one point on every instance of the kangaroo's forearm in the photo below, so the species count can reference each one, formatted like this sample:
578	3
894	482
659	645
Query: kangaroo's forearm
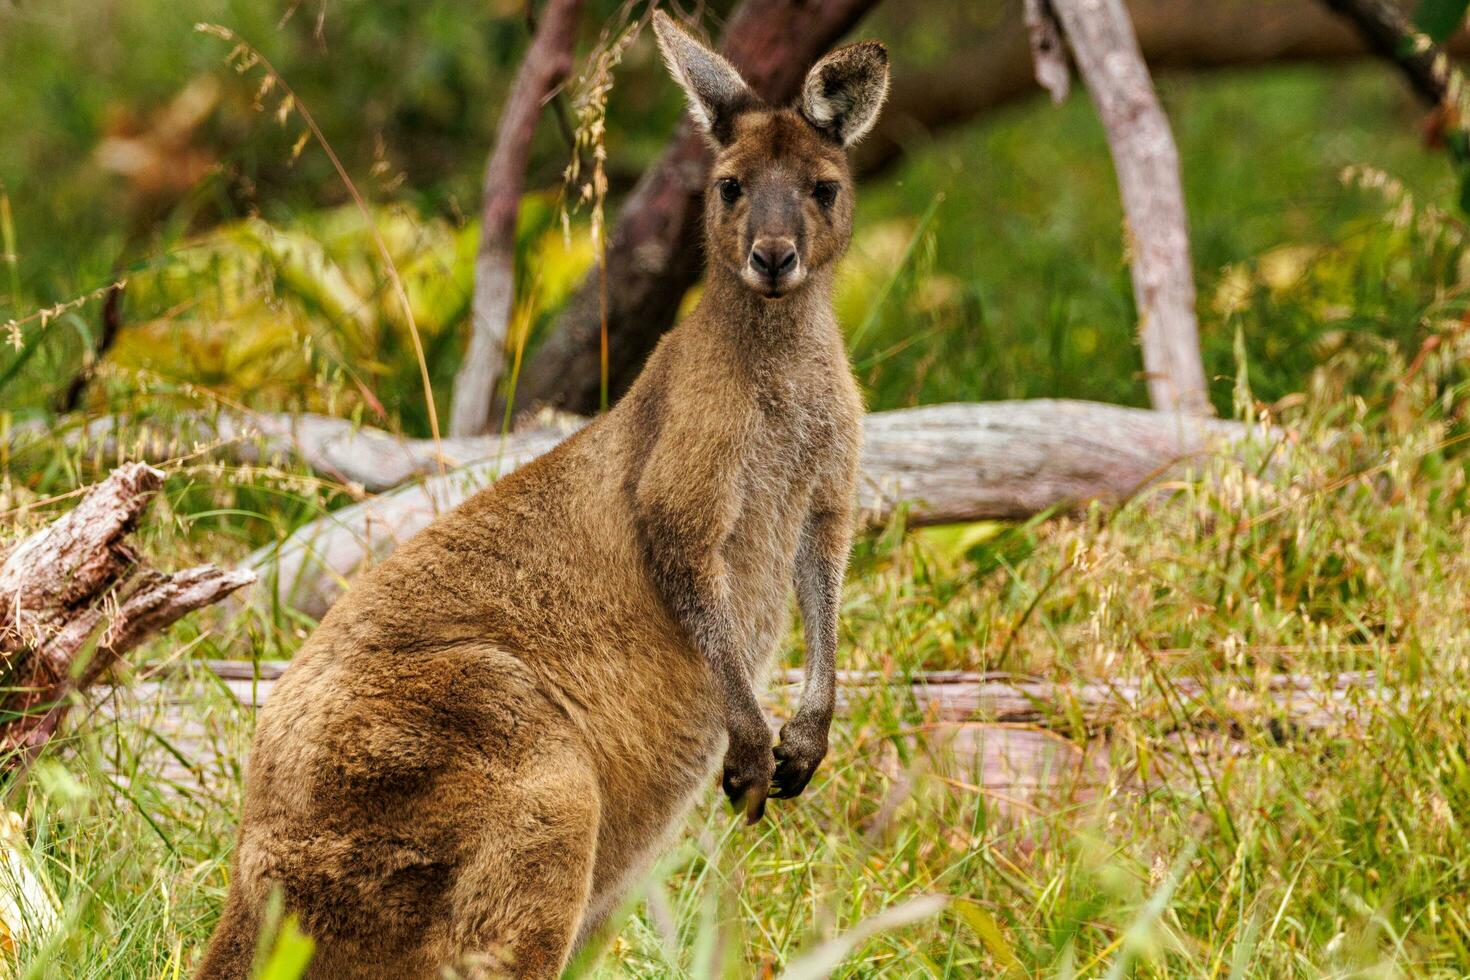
696	595
820	565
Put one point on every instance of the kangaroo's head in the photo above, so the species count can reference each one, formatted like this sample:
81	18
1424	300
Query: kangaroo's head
779	203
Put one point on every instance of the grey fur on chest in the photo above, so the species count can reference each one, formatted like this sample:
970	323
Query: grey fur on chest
800	421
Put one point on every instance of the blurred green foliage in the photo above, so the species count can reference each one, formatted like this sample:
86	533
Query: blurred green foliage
1439	18
407	93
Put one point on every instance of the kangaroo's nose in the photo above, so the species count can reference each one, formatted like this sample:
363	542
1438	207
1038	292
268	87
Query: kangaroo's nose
773	257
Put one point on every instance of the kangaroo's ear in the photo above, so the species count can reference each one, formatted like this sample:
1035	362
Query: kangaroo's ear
716	91
844	91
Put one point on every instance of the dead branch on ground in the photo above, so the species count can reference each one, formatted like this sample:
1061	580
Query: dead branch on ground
74	599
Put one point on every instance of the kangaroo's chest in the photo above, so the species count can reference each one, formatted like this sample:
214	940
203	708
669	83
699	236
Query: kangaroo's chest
804	434
803	423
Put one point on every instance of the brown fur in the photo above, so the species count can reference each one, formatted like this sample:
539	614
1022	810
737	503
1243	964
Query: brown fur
492	734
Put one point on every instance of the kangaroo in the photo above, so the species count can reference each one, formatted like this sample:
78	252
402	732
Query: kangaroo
492	734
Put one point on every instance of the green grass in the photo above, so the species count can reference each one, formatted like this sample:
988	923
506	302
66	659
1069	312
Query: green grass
1338	853
1215	846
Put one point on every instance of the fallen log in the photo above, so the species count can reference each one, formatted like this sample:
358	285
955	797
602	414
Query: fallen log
1023	741
1301	702
361	458
937	464
74	599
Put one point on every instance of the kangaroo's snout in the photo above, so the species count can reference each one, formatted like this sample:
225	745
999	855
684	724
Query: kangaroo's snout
774	265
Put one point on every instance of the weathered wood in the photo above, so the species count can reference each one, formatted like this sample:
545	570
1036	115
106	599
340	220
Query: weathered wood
363	458
958	462
1016	459
1048	53
1304	701
1026	744
45	576
1105	49
73	600
944	463
545	65
1023	742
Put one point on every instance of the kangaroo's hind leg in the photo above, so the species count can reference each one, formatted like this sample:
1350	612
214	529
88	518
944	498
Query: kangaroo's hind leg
521	893
232	947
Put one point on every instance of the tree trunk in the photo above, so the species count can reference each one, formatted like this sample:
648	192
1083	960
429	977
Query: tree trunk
546	64
73	600
1106	52
653	253
941	463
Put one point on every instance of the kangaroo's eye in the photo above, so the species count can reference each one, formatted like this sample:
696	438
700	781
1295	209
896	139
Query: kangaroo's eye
729	189
825	192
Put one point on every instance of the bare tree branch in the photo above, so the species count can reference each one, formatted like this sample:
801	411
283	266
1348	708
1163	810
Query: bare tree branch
48	574
361	457
1147	162
1390	33
546	64
991	68
112	321
1048	53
